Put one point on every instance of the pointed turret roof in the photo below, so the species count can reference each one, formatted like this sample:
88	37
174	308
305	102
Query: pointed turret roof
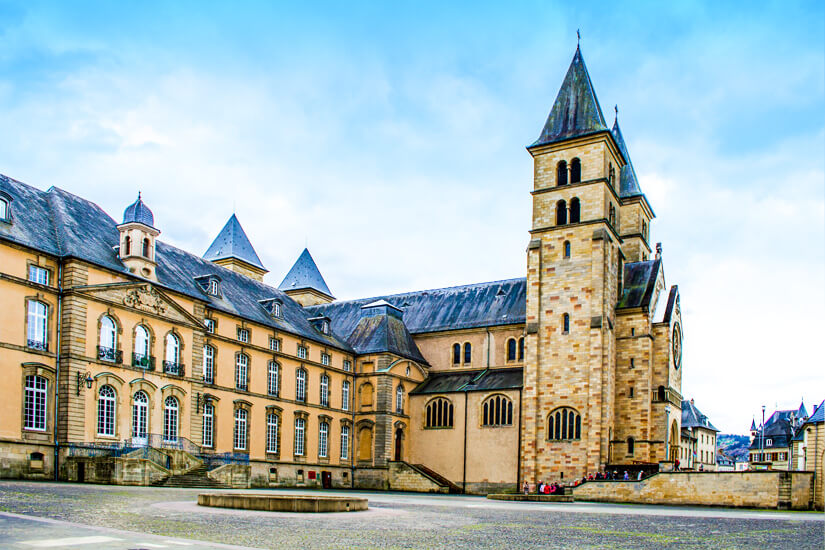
628	184
138	212
232	242
305	274
753	425
576	111
802	412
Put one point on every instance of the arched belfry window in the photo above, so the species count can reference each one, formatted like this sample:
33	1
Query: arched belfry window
127	245
575	210
511	349
439	413
468	353
561	213
561	173
521	349
631	445
497	411
456	354
147	248
564	423
566	249
575	171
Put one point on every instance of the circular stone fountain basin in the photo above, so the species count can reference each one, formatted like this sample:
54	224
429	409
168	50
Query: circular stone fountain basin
283	503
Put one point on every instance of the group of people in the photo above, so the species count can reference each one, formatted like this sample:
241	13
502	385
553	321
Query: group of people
555	489
544	488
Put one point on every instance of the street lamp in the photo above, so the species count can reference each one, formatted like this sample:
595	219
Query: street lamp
762	439
667	433
81	378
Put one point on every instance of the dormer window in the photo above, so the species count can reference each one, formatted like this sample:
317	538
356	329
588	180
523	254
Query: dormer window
276	309
272	307
243	335
38	274
5	208
213	287
325	327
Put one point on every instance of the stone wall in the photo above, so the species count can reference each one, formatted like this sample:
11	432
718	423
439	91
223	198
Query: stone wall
267	474
736	489
21	461
234	475
372	478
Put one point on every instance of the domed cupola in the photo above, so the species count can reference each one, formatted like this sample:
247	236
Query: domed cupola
137	240
138	212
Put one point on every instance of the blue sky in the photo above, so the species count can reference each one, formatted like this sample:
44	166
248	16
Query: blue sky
390	138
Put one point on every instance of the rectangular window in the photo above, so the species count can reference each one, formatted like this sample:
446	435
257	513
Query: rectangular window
274	344
325	359
37	333
38	275
208	425
34	408
210	325
272	378
323	439
324	390
243	335
241	366
300	426
240	430
345	395
272	433
208	364
344	442
347	365
302	352
631	391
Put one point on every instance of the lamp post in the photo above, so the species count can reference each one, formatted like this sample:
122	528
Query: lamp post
667	432
762	439
81	378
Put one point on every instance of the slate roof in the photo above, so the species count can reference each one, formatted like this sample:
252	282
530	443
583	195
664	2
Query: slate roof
628	183
639	283
232	242
816	417
576	111
381	329
62	224
138	212
693	417
475	380
305	274
461	307
778	430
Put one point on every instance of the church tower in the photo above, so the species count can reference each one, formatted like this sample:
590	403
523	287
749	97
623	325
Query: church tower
574	261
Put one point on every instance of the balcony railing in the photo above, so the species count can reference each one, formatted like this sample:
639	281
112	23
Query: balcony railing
141	361
170	367
38	344
109	354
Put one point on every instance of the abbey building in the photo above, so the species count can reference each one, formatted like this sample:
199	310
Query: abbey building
128	360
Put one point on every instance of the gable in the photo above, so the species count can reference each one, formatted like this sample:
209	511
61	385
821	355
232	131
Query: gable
140	297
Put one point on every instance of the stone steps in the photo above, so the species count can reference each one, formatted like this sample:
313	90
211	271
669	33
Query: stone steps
196	478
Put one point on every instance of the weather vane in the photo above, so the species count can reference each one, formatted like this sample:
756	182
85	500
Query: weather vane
578	37
616	108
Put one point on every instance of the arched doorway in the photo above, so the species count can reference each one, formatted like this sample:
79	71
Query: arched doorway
399	449
674	442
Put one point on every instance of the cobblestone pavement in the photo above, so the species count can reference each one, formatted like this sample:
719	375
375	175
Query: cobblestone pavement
403	520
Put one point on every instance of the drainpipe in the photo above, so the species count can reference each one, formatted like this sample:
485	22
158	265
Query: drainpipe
57	365
353	434
518	448
464	468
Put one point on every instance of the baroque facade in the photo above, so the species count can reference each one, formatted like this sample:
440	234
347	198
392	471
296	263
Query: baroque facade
128	359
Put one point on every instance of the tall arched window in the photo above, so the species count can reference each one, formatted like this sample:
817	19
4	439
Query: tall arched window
172	362
468	353
561	173
511	349
170	420
208	364
141	358
106	351
566	249
564	423
644	230
37	329
272	433
323	384
241	430
565	323
127	245
575	170
208	425
561	213
521	349
242	371
323	439
399	399
106	411
660	393
300	433
456	354
301	385
439	413
345	395
575	210
147	248
497	410
272	378
140	417
631	445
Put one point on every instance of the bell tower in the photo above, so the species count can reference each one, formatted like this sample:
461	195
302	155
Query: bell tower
137	240
574	263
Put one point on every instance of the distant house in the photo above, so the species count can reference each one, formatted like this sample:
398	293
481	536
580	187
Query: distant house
698	439
724	463
771	444
808	446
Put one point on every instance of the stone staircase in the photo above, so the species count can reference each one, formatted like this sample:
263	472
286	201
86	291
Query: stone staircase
438	478
785	489
193	478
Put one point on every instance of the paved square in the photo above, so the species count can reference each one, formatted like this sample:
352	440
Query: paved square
145	517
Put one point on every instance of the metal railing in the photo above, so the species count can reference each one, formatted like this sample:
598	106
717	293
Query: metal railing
146	362
109	354
170	367
37	344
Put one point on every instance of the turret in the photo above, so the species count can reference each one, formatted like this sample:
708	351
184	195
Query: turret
137	240
232	250
305	284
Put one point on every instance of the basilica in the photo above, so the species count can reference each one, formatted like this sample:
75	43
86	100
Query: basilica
128	360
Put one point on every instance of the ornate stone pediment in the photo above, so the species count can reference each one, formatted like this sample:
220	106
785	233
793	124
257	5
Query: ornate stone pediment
140	297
